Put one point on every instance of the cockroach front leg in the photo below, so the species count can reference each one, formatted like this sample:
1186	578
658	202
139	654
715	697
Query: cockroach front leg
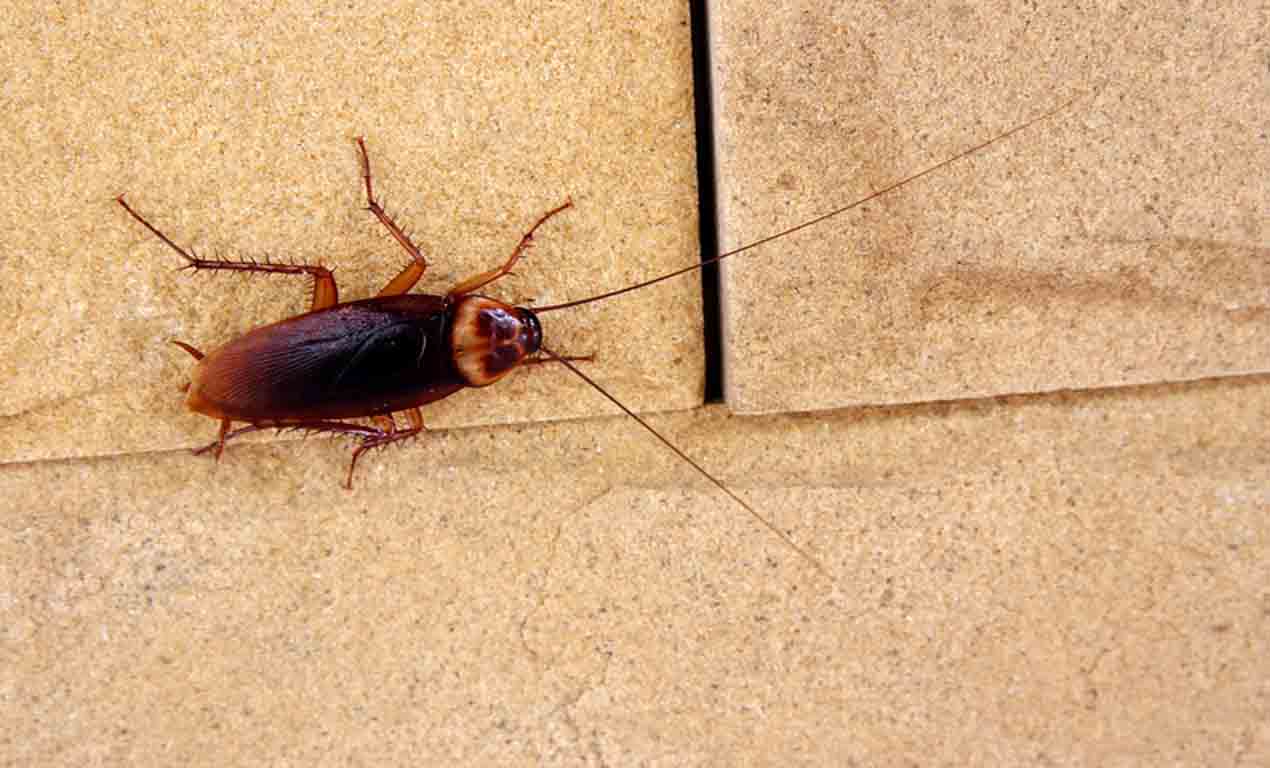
406	279
325	292
218	445
385	435
476	282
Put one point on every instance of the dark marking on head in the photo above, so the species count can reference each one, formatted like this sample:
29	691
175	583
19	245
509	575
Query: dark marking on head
489	338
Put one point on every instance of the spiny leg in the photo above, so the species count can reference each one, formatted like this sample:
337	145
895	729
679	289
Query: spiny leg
325	293
406	279
385	437
384	432
332	427
476	282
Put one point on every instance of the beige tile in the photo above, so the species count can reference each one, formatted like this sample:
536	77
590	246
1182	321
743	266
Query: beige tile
1122	241
1074	579
232	129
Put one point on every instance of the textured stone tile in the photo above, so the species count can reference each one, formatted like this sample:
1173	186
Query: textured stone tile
233	131
1122	241
1075	579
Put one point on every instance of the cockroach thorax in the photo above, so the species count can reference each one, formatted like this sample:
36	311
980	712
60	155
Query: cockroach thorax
490	338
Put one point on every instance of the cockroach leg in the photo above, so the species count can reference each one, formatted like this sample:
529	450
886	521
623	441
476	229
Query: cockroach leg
476	282
219	444
325	292
222	437
385	437
194	352
385	432
329	427
406	279
415	417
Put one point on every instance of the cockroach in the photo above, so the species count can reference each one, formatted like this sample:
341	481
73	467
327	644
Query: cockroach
390	354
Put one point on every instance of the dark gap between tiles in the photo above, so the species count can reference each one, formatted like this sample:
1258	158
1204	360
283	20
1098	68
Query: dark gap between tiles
707	210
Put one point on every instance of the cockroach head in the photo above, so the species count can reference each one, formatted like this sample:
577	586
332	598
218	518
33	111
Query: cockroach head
489	338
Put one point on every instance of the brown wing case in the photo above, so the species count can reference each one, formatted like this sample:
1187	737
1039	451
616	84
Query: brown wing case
356	359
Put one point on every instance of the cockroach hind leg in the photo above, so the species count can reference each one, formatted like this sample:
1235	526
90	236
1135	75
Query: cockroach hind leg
194	351
325	291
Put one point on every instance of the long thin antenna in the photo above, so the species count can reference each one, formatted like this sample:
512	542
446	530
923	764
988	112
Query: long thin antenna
766	523
823	217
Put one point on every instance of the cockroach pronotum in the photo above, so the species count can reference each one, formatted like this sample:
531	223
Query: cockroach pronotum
391	354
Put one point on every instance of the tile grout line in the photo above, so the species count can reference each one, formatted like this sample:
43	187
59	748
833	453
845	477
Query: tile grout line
707	203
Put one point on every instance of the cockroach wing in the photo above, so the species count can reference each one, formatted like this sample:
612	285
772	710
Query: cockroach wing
357	359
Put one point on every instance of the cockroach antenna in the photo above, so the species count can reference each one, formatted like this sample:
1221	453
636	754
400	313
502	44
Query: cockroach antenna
821	218
678	452
727	254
